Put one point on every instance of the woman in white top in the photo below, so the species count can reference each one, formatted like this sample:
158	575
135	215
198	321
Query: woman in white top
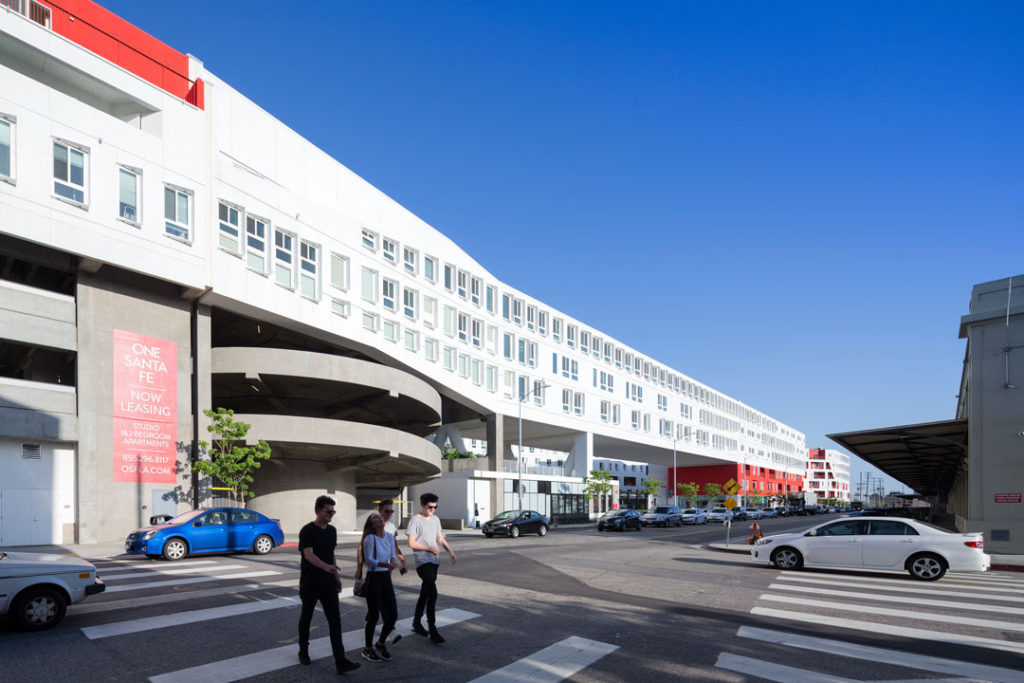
379	558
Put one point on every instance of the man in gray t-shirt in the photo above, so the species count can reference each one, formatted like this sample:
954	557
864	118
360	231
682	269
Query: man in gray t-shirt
426	541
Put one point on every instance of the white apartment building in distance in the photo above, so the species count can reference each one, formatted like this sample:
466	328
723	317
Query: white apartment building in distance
828	474
167	246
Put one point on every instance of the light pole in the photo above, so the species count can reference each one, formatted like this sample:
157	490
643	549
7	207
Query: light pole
675	484
519	455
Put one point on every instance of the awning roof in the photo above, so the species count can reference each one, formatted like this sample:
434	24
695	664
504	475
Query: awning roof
926	457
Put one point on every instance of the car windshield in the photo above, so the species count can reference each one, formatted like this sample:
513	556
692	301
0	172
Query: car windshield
719	510
185	516
509	514
661	511
616	513
689	511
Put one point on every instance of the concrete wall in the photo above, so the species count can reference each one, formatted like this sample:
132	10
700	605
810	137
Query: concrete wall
995	412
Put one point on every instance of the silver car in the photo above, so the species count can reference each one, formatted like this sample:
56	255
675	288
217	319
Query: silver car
694	516
663	516
720	515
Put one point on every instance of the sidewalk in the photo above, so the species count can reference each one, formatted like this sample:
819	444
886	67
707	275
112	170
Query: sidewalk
1000	563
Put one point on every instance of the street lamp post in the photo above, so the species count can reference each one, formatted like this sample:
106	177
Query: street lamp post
675	473
519	455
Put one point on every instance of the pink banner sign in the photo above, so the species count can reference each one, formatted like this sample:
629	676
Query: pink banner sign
1007	497
145	409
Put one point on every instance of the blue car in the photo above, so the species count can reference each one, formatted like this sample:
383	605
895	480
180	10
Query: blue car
213	530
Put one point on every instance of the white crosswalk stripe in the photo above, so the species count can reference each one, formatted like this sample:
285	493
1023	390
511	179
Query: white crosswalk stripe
903	587
182	582
905	599
258	663
139	574
552	664
770	671
131	603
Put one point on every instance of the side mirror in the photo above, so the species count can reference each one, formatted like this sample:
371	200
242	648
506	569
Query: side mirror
198	522
812	532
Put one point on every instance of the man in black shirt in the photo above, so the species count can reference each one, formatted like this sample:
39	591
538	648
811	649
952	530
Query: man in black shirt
319	580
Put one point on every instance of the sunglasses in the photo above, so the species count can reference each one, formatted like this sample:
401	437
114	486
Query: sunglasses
387	512
331	512
431	507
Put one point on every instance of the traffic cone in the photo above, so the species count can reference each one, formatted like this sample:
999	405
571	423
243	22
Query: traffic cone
755	534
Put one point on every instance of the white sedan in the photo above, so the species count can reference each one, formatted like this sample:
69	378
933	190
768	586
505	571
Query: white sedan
923	550
694	516
36	589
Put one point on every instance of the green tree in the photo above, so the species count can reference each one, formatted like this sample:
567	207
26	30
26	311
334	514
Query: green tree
452	454
598	484
687	491
651	488
714	492
231	461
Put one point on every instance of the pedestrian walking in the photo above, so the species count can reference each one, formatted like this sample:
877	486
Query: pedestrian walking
386	508
426	541
378	553
320	581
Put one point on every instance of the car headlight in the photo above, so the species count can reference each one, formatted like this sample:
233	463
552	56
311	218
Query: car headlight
148	535
763	541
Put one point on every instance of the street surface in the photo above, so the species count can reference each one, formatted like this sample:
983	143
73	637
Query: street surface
578	604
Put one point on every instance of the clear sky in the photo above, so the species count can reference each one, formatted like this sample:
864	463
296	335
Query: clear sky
789	201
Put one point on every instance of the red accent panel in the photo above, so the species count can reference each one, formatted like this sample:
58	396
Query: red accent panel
111	37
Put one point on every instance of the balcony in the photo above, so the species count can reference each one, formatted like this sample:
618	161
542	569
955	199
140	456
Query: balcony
35	11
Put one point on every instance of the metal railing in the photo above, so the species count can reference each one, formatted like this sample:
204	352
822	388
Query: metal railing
35	11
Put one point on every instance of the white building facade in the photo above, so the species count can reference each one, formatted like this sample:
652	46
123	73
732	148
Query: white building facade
828	475
167	246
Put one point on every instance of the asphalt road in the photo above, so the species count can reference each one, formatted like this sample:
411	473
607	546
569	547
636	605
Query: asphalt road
581	605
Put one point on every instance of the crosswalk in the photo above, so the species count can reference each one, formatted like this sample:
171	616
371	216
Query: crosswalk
937	614
178	587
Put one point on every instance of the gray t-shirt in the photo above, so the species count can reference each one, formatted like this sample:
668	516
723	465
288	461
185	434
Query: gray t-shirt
426	531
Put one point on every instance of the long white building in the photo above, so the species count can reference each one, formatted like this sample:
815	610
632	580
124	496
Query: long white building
167	246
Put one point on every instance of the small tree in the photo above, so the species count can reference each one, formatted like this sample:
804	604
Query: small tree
688	491
598	484
714	492
651	488
452	454
231	463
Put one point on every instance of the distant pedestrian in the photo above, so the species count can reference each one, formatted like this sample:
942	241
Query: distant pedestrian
319	581
426	540
378	553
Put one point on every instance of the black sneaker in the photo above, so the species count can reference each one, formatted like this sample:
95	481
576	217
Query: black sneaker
371	656
383	653
303	657
417	627
435	637
346	665
395	637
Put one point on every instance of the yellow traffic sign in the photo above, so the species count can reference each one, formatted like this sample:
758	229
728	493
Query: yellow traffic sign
731	487
729	503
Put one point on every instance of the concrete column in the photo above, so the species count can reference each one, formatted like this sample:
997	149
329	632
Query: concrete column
287	490
496	447
581	456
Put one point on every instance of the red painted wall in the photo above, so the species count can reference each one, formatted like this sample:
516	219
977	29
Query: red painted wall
111	37
719	474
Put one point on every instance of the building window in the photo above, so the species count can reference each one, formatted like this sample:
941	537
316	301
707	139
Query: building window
517	311
531	317
390	249
368	285
128	207
578	400
492	299
478	372
508	345
585	342
389	294
463	327
430	268
230	221
370	240
463	365
476	333
371	321
570	335
177	212
492	339
475	285
539	389
429	312
390	330
7	163
462	277
542	322
449	358
256	244
506	307
70	171
449	277
566	400
339	272
284	258
412	340
309	283
449	321
410	259
409	303
492	378
430	347
340	308
556	329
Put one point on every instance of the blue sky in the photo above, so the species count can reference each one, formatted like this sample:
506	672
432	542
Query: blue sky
789	201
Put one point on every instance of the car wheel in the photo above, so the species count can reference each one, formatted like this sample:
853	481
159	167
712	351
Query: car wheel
543	530
263	545
514	532
489	534
787	558
38	608
926	567
679	522
175	549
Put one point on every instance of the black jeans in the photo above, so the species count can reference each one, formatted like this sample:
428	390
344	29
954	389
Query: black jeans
428	592
380	603
326	593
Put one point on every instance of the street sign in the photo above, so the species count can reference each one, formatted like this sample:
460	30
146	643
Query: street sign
1008	497
729	503
731	487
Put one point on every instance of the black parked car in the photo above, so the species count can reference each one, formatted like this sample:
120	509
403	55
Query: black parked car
514	523
620	520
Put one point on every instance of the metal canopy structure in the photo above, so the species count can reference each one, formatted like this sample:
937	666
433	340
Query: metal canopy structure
926	457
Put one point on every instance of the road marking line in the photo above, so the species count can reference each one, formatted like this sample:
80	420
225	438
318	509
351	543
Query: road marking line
146	564
906	589
183	582
121	628
758	668
911	600
171	572
909	660
257	663
902	631
127	603
872	609
554	663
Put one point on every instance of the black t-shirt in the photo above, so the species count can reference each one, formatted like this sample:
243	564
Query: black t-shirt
323	542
